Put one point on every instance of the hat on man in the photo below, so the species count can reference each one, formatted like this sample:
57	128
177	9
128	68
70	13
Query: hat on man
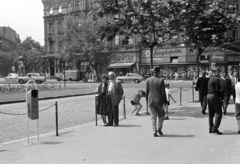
156	69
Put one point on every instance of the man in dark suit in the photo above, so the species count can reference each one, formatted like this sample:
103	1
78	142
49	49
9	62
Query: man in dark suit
114	97
226	86
202	87
214	102
234	80
156	97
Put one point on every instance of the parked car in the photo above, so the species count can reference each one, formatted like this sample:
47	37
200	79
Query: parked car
72	75
130	77
31	76
11	77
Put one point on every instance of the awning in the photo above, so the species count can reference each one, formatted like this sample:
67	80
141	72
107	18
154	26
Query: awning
234	46
121	65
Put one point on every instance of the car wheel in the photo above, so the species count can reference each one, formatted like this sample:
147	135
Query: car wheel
70	79
21	81
136	81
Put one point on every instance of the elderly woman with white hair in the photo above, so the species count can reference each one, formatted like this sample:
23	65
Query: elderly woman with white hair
114	97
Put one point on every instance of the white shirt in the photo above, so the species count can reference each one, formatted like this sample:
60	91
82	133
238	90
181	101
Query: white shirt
237	89
168	93
111	85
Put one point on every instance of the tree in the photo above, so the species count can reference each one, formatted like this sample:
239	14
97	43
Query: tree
205	23
80	38
150	20
31	52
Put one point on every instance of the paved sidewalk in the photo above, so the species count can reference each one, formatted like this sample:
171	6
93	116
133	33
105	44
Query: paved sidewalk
186	140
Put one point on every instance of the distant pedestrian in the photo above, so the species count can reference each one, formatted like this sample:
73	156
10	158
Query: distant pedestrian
237	104
114	97
176	76
168	95
101	100
214	102
156	97
234	80
226	86
135	101
202	88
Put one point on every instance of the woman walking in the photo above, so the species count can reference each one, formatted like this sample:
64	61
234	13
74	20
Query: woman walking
237	104
101	99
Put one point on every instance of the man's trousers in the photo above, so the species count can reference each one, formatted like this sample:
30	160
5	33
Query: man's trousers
157	112
215	109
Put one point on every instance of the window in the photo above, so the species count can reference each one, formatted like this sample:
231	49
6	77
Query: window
69	8
80	5
117	40
60	9
51	10
235	34
235	8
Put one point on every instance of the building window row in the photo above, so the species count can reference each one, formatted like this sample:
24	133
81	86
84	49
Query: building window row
79	6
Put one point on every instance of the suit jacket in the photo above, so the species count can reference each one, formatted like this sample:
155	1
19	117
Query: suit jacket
155	92
116	93
226	85
233	82
202	85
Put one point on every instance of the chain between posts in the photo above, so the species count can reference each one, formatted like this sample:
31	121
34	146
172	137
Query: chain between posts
17	114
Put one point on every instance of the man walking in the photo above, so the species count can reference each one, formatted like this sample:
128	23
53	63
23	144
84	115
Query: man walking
202	87
214	102
226	91
156	97
234	80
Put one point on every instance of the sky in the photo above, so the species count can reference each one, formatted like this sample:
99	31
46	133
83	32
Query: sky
25	17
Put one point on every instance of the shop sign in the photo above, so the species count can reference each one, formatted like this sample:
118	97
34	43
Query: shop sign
124	57
169	52
217	58
166	52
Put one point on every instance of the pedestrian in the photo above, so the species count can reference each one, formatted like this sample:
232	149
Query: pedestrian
226	91
176	76
135	101
114	97
233	82
156	97
101	99
168	95
214	102
202	88
237	104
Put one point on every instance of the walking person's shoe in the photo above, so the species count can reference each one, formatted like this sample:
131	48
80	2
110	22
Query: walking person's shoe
203	112
216	131
238	132
155	135
160	132
224	112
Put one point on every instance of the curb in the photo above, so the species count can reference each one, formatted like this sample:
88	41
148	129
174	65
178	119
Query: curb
46	98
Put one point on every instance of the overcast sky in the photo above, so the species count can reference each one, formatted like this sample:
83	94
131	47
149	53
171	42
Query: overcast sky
23	16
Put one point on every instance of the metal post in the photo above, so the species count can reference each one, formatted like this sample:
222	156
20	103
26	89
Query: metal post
147	106
56	115
180	96
37	130
28	110
193	92
124	107
96	106
64	73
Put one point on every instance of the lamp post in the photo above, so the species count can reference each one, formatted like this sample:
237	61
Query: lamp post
64	68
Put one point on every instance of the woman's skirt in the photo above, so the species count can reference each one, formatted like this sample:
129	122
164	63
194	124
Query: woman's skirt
101	106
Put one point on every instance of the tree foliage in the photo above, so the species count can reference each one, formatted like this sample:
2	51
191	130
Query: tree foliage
31	52
80	38
152	21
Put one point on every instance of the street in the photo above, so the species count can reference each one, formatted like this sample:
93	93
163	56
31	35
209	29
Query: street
73	111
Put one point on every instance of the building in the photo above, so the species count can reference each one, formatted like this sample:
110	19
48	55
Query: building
8	43
174	56
54	12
